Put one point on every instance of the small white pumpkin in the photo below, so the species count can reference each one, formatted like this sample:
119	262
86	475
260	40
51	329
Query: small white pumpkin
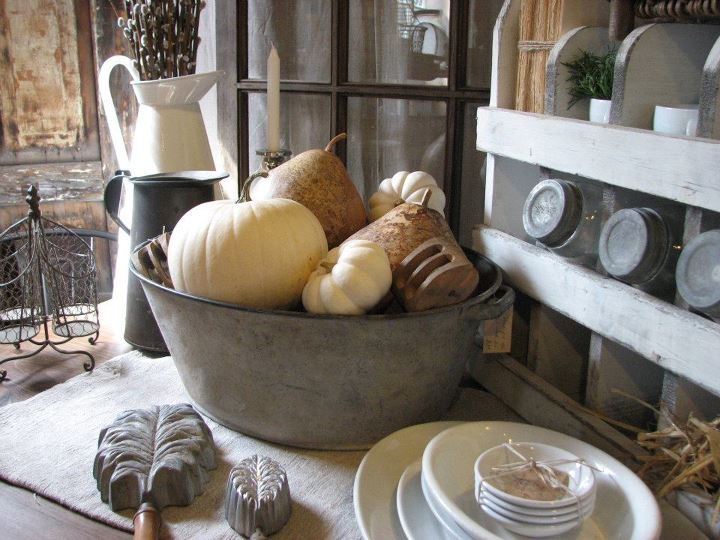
405	187
351	280
257	254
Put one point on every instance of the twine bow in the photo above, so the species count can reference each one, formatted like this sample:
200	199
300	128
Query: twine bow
545	470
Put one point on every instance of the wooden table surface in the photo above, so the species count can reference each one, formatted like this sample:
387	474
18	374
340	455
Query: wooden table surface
27	516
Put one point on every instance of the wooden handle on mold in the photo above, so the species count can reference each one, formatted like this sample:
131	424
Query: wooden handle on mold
146	523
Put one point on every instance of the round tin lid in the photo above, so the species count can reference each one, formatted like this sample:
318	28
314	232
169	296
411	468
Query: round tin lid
552	211
633	244
698	272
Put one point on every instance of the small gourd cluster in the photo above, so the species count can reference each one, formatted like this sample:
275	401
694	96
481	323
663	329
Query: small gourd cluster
300	236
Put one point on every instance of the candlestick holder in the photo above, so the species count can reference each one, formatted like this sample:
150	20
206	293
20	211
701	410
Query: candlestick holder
270	160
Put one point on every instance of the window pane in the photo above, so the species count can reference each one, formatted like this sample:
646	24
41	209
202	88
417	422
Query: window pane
472	183
304	123
398	42
300	30
483	14
390	135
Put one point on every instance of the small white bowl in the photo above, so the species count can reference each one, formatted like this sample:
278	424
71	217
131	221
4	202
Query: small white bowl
579	513
581	477
531	529
561	512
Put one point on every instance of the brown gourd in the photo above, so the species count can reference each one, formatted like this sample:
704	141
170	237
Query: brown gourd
404	228
428	266
318	180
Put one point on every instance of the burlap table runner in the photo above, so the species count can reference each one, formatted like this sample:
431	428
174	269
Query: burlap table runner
48	443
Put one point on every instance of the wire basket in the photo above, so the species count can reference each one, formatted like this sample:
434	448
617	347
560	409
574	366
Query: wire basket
20	287
47	273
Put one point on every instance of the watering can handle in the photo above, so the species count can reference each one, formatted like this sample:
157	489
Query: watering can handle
109	107
111	197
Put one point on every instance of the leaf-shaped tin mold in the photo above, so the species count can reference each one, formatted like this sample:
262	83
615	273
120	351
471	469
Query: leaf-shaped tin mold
162	455
258	496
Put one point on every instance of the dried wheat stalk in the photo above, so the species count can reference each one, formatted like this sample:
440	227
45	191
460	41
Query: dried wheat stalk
682	456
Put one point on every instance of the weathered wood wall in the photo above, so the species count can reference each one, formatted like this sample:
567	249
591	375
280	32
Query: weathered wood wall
50	132
47	97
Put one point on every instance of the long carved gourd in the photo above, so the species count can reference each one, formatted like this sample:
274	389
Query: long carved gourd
404	228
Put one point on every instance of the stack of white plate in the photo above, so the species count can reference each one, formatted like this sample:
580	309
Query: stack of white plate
419	483
524	513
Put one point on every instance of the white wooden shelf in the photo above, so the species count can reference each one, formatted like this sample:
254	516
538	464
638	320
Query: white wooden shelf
675	339
584	330
682	169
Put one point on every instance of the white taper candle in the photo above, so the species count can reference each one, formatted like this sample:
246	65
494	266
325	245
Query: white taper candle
273	100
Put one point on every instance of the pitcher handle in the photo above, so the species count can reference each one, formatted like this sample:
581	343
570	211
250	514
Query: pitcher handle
111	197
109	107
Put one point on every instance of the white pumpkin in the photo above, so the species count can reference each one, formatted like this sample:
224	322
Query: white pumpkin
257	254
351	280
405	187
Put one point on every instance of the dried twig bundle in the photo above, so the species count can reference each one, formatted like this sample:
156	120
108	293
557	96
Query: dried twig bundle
163	35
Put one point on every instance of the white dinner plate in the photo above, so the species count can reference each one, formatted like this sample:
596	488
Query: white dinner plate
450	526
378	475
625	508
416	518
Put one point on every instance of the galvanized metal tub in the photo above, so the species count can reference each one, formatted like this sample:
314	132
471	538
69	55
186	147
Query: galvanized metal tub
317	381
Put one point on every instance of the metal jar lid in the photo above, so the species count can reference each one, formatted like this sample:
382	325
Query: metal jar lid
698	273
634	244
552	211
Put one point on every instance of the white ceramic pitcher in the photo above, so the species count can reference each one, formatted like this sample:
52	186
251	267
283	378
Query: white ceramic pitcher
169	132
169	136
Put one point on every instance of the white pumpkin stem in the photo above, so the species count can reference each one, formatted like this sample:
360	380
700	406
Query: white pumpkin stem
426	198
245	192
331	145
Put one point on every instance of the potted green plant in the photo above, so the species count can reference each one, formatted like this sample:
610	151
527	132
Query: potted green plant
591	77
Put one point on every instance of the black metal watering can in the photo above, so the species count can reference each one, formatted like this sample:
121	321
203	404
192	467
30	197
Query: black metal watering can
159	201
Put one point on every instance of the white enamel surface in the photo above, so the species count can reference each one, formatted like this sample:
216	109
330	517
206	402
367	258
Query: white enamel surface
378	476
176	90
625	507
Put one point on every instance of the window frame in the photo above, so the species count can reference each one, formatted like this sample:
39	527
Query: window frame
456	95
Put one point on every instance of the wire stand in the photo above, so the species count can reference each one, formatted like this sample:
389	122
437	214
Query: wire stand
47	274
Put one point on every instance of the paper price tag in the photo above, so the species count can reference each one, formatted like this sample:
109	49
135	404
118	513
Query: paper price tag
497	333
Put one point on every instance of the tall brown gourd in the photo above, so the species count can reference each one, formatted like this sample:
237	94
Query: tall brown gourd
318	180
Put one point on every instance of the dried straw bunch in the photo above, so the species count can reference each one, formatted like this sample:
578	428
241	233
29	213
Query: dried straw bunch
682	457
163	35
